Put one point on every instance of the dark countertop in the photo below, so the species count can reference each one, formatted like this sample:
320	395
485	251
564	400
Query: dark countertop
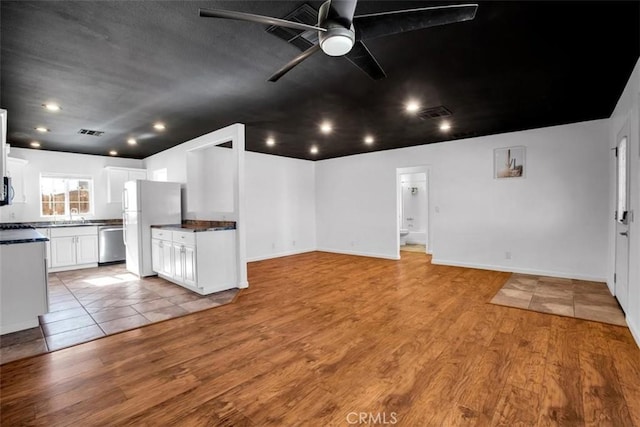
25	235
56	224
190	228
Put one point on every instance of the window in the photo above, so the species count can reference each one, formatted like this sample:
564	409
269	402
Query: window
64	195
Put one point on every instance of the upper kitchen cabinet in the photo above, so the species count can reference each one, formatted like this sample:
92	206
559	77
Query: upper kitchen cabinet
15	170
116	177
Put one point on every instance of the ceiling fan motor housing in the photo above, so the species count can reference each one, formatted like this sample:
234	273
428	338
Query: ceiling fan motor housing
338	39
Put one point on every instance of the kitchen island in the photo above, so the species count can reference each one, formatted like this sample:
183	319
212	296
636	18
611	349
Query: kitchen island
199	258
23	279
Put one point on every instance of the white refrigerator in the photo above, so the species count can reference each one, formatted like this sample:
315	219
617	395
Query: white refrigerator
146	203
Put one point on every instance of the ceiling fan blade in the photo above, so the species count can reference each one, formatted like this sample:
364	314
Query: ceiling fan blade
295	61
342	11
387	23
267	20
363	59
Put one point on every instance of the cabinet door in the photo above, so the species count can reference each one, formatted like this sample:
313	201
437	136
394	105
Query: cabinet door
166	264
87	249
115	184
156	255
189	265
178	262
15	169
63	251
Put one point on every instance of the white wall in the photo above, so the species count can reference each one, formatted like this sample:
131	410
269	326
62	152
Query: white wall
553	221
280	203
41	161
628	109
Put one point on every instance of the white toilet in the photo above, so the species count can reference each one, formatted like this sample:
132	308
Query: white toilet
403	236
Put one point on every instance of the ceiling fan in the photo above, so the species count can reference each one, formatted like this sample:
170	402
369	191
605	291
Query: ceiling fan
340	33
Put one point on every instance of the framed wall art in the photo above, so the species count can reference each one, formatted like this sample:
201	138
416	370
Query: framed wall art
509	162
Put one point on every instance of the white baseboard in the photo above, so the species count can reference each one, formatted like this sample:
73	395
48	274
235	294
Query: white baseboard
278	255
357	253
519	270
635	330
72	267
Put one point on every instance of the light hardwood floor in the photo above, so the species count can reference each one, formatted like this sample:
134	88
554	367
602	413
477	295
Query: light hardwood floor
320	337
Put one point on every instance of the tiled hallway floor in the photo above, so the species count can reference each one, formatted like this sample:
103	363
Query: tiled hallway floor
91	303
564	297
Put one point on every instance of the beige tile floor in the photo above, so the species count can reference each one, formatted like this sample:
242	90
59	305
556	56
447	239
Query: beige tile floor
91	303
565	297
410	247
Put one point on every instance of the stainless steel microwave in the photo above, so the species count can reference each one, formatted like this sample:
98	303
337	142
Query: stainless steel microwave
7	191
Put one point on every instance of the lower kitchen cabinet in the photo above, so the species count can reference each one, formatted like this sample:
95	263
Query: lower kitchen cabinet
23	286
73	247
45	232
203	261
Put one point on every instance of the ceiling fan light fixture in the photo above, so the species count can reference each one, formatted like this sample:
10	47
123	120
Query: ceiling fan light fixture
336	45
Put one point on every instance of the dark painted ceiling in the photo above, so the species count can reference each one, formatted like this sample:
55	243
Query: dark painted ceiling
118	67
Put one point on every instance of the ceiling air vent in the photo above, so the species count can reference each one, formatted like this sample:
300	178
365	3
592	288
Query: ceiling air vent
434	112
303	40
90	132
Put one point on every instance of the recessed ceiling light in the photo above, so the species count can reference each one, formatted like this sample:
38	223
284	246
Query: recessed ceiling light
368	140
412	106
159	126
445	126
132	141
314	150
271	142
51	107
35	144
42	129
113	153
326	127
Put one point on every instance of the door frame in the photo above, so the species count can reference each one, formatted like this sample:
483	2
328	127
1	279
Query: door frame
623	132
426	169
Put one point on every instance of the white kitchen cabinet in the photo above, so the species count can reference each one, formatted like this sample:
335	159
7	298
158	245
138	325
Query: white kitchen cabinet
184	264
63	250
73	247
15	170
162	252
116	177
45	232
203	261
23	286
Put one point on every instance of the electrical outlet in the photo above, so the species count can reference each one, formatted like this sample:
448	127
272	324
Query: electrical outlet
507	255
437	209
353	243
294	243
13	215
273	246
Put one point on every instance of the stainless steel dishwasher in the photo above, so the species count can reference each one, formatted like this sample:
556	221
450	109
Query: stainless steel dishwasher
111	244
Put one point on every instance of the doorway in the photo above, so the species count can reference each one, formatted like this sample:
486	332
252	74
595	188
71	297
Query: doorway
413	223
622	214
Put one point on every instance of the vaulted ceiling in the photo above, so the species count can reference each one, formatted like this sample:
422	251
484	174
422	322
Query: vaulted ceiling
118	67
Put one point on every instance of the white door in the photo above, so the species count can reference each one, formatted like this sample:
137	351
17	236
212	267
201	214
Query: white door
63	251
87	249
166	258
621	277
